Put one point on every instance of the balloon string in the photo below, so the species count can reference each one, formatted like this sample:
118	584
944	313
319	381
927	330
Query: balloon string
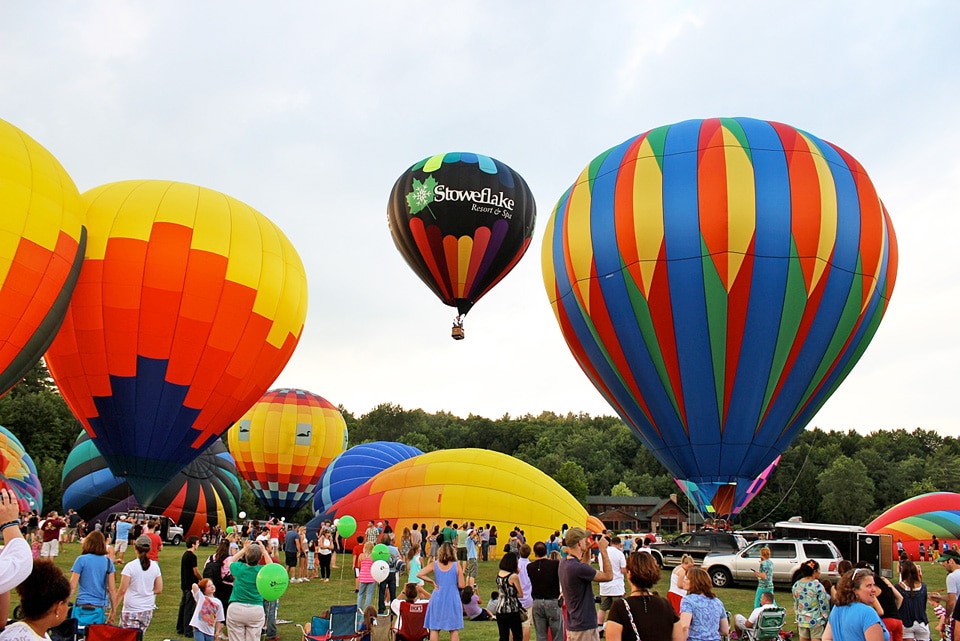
792	485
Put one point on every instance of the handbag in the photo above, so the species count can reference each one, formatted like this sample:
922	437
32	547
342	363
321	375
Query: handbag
89	614
523	615
633	624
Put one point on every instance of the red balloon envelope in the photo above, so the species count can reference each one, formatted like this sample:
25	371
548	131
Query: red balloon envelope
188	306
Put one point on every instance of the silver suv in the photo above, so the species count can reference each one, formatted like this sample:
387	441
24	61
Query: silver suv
786	554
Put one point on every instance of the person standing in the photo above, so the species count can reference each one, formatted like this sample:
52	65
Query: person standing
544	577
189	574
444	610
612	590
140	583
764	576
811	603
853	617
325	554
576	578
291	553
643	615
245	616
702	615
472	569
913	608
50	548
677	580
123	527
508	608
951	563
92	575
156	543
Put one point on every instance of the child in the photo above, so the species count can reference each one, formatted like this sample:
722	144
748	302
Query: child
413	566
369	620
494	601
35	546
311	556
940	612
208	616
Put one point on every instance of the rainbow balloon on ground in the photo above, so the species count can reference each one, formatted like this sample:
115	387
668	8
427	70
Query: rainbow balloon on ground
206	491
18	472
920	518
284	443
355	467
717	280
464	485
42	242
189	305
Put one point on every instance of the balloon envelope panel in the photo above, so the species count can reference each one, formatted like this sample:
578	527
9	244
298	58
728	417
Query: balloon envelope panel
717	280
188	306
283	444
355	467
921	517
41	250
461	221
19	473
464	485
207	490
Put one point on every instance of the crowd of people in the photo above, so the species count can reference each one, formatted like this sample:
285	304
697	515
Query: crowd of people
547	587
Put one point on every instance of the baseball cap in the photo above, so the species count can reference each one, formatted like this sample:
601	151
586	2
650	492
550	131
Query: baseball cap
574	536
123	517
949	555
143	543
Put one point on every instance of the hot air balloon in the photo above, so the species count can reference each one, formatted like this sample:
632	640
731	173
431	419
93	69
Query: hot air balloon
42	242
188	306
461	221
919	518
464	485
717	280
355	467
283	444
18	472
206	491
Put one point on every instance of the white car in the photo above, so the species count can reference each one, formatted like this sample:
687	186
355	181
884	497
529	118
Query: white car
786	554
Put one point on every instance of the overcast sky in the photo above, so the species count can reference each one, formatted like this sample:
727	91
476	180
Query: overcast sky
309	111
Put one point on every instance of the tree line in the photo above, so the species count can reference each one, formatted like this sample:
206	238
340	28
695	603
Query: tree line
830	476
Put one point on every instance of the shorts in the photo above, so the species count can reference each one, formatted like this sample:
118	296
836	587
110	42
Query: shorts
583	635
606	602
136	620
918	631
816	632
50	548
472	568
291	559
121	546
274	543
461	554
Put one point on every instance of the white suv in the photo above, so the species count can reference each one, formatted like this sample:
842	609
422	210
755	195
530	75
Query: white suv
786	554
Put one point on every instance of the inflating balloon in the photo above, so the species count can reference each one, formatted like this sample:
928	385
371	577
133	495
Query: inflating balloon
919	518
380	552
717	280
463	485
461	221
188	306
205	492
380	570
42	243
18	473
355	467
283	444
346	526
272	581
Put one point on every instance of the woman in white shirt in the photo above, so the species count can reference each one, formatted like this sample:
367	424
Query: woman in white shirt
676	592
140	583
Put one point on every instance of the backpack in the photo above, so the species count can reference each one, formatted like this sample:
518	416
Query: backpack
213	570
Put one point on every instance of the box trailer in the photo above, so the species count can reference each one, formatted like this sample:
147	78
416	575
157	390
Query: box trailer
853	541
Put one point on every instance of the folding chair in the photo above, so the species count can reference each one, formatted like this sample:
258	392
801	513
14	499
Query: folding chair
768	625
343	622
319	629
66	631
105	632
410	622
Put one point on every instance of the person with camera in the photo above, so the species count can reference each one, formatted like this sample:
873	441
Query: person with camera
576	582
544	576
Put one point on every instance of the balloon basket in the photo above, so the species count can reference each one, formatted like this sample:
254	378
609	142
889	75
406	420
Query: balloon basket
457	333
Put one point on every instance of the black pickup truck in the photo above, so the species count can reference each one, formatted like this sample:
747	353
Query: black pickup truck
697	545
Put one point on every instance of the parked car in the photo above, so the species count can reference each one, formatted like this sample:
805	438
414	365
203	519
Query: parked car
169	530
787	556
698	545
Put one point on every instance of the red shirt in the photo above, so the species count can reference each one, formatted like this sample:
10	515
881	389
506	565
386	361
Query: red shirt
275	530
357	551
51	529
155	544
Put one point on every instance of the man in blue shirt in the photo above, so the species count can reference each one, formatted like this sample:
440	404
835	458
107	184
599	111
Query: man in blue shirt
123	536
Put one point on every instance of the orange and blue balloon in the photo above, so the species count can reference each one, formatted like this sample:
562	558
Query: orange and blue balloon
717	280
42	242
188	306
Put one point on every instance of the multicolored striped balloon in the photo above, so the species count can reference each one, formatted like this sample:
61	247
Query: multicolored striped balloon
19	473
206	491
355	467
717	280
461	221
41	250
283	444
919	519
188	306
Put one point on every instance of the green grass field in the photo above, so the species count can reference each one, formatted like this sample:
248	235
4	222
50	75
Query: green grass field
303	600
